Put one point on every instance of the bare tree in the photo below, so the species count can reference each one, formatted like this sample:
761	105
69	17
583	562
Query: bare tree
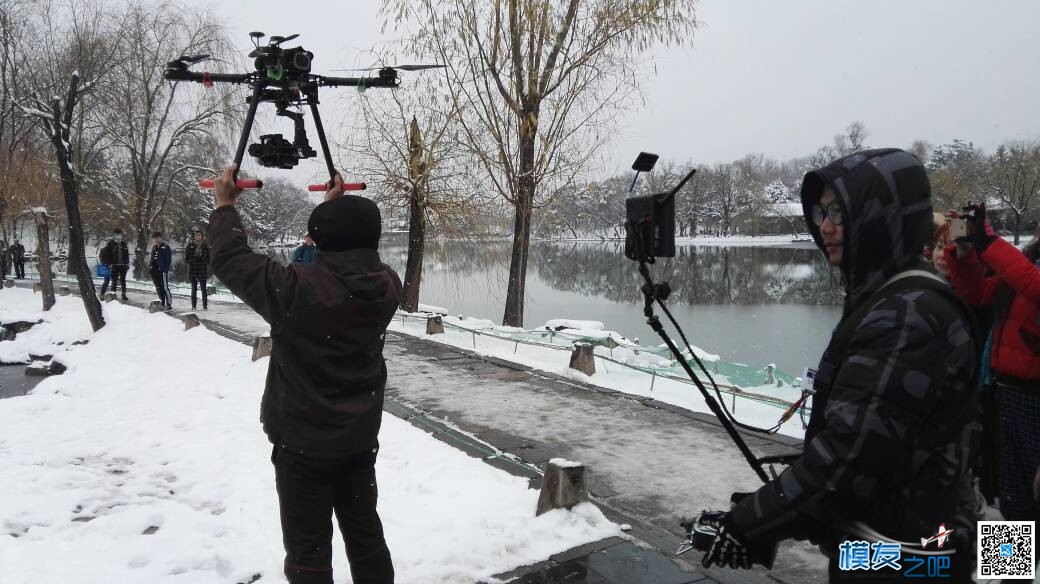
58	127
151	122
538	83
1014	176
408	146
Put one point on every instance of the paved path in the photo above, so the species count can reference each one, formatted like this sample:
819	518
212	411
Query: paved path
648	463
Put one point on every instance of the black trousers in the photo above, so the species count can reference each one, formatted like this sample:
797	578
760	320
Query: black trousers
309	492
19	268
117	275
162	287
196	283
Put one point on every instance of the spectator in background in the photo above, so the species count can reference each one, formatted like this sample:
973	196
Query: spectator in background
940	239
1013	294
305	253
197	257
3	260
115	255
17	252
162	259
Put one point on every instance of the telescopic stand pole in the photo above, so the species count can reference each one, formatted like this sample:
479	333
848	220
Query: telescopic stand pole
653	292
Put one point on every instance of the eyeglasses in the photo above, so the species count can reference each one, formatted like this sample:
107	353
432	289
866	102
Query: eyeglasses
831	211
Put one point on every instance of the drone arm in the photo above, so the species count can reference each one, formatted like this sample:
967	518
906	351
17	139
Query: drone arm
196	77
365	82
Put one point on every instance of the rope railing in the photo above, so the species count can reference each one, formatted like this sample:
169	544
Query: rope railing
734	391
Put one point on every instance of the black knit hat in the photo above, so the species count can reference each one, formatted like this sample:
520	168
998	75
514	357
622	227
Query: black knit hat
349	222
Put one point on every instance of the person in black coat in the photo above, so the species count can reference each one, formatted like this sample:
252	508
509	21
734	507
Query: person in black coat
196	255
322	406
894	427
162	261
115	255
17	253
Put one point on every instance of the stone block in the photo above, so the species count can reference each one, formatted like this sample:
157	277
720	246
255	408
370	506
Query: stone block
109	296
434	325
583	359
190	320
64	291
262	347
8	283
155	306
563	486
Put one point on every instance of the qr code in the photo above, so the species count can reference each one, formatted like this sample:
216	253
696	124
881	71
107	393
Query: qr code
1006	550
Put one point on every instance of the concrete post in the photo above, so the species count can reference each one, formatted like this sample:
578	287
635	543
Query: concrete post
8	283
262	347
155	306
563	486
110	296
434	325
64	291
583	359
190	320
37	286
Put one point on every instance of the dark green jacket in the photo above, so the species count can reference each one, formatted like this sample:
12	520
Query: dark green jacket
325	380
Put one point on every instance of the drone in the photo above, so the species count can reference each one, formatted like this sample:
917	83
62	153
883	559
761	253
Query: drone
283	77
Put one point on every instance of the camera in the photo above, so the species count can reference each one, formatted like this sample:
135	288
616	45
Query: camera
274	151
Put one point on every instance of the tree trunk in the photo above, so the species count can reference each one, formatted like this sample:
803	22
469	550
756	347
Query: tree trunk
43	258
77	263
1018	225
416	247
416	219
140	253
514	311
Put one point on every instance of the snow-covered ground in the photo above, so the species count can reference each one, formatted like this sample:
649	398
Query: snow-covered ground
617	368
145	462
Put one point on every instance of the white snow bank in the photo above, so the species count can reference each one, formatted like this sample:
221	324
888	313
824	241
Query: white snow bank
565	323
564	463
156	427
62	325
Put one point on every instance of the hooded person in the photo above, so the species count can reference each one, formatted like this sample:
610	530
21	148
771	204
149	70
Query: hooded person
894	423
323	402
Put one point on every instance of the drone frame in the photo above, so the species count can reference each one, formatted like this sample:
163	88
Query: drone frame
283	93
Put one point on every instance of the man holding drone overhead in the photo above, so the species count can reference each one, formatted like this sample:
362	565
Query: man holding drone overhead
323	402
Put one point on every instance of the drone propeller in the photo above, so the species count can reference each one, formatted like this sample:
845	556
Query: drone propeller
398	67
277	40
185	61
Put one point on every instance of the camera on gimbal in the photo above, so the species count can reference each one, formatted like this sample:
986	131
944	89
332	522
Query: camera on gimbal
274	151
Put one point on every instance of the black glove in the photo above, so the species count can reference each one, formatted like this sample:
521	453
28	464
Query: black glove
727	549
980	232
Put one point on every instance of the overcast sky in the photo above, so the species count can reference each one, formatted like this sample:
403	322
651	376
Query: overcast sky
777	77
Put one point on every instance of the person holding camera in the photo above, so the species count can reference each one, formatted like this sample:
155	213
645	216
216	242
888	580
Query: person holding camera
322	406
1013	293
197	257
115	255
894	426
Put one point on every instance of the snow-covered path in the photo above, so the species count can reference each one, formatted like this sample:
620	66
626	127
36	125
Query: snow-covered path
650	464
145	462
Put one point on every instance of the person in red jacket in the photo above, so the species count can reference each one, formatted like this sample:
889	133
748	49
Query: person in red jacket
1014	356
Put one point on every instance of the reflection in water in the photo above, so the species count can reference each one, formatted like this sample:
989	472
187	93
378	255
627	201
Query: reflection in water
753	305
